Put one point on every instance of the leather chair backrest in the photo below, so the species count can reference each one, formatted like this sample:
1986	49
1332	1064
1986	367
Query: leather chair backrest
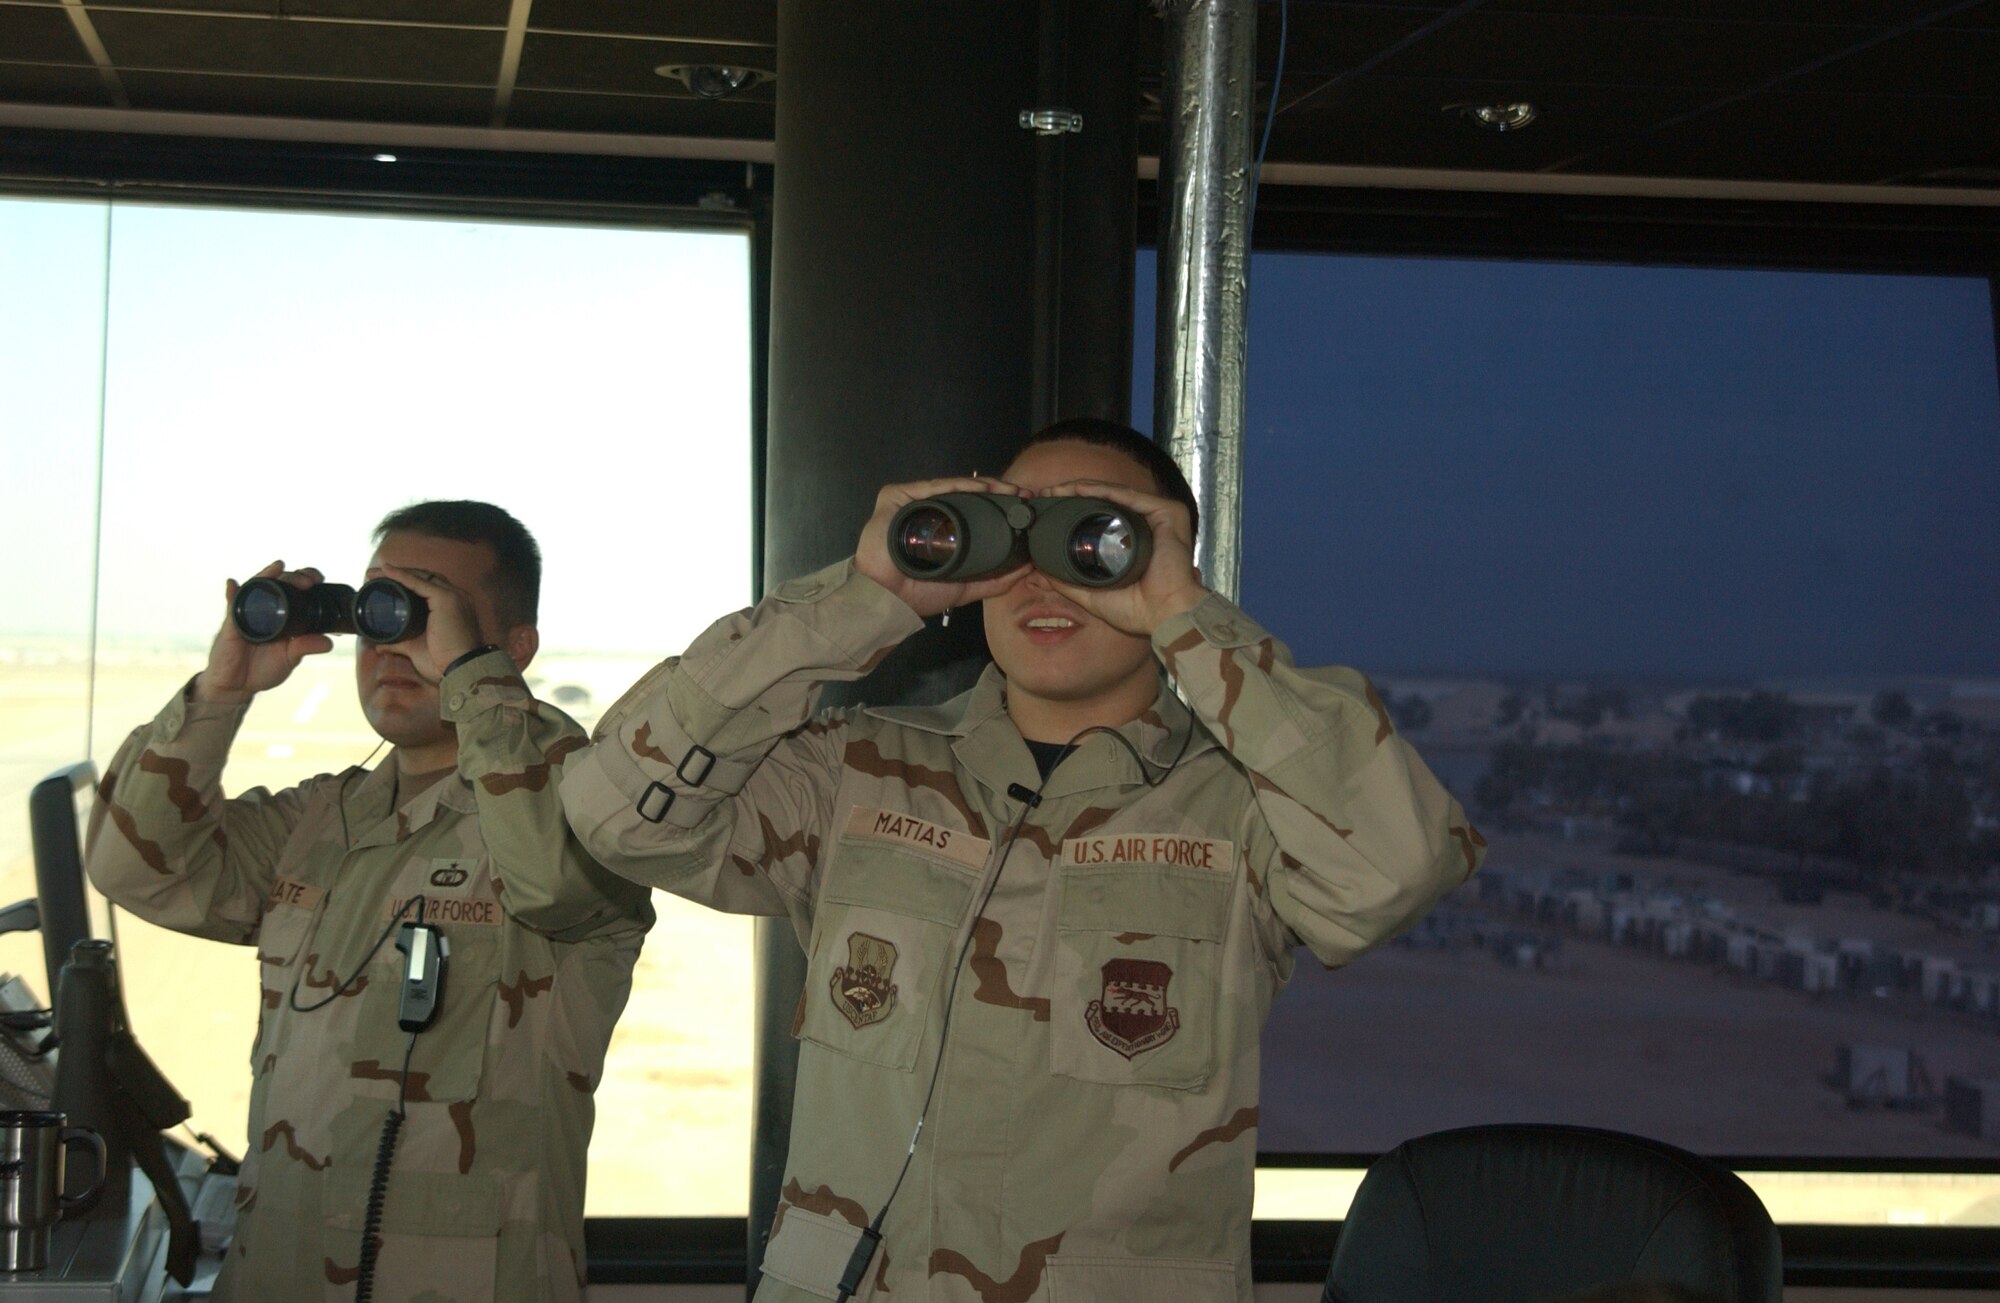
1525	1213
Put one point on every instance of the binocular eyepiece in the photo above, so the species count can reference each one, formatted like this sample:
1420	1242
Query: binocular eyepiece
956	537
380	611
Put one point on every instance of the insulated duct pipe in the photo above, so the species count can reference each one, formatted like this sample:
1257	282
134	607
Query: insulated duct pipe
1201	345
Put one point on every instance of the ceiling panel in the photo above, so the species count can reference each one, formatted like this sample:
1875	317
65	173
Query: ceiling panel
442	13
39	35
1873	13
1822	137
266	8
48	83
279	47
730	119
300	97
1927	62
744	22
550	62
1984	16
1618	51
1386	121
1333	38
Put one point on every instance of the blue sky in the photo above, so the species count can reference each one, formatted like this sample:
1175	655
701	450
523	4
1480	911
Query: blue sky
1537	468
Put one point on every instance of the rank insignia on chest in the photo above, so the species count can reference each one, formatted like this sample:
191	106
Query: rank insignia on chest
1133	1016
861	989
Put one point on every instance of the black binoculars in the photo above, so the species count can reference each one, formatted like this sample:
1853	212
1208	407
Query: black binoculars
956	537
380	611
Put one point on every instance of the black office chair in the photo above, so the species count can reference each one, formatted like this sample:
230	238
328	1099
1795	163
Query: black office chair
1528	1214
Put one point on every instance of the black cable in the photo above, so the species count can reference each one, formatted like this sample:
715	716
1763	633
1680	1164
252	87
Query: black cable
871	1235
1144	776
340	990
378	1186
385	1154
1270	116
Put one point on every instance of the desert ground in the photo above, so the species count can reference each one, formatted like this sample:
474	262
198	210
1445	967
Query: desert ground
1403	1041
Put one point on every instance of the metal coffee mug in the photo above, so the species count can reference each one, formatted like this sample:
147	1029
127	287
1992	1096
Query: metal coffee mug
32	1146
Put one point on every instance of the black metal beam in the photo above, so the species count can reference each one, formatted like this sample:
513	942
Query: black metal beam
1946	239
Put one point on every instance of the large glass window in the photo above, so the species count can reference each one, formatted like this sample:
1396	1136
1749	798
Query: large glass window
271	385
1684	581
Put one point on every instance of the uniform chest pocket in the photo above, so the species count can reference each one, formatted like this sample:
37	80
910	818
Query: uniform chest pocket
882	941
282	934
1137	974
281	938
449	1056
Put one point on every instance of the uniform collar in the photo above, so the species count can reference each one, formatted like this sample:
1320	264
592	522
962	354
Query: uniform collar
991	749
375	824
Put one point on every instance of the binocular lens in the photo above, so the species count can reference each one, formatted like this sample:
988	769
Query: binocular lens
387	612
1103	548
260	612
928	541
959	536
266	610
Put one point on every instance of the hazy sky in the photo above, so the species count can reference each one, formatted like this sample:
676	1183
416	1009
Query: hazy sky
278	381
1462	466
1451	466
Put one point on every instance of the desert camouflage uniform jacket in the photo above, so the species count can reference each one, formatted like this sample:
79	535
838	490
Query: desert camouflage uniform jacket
485	1198
1093	1132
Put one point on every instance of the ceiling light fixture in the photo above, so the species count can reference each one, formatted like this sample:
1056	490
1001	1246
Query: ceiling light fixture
1509	116
714	81
385	158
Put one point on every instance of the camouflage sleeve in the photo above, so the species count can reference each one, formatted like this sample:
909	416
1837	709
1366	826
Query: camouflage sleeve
164	843
512	749
1353	838
711	778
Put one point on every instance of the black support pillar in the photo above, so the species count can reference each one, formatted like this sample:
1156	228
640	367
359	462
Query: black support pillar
943	281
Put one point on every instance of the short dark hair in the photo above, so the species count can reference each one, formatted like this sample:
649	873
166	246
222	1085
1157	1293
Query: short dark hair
516	586
1168	480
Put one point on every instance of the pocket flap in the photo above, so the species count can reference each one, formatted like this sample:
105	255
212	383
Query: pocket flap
1159	901
875	876
467	1205
810	1251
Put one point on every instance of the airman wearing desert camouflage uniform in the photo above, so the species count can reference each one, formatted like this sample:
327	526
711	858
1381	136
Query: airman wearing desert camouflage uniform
1092	1134
485	1192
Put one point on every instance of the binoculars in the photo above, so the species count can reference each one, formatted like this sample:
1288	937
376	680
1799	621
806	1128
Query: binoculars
380	611
955	537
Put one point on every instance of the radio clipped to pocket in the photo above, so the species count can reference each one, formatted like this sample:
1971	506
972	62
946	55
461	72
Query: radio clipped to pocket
425	950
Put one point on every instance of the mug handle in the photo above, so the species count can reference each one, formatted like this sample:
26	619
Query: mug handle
84	1135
